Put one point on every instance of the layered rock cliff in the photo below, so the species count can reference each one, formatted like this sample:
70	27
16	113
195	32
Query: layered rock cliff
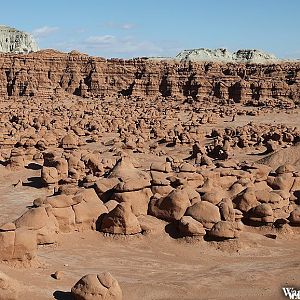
45	73
16	41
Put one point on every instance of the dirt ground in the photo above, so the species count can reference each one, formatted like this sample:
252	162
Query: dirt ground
154	266
159	267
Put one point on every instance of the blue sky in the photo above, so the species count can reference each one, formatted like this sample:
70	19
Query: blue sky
129	28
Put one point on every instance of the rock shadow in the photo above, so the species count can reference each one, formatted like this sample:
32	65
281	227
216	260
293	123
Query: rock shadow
4	163
35	182
34	166
172	230
60	295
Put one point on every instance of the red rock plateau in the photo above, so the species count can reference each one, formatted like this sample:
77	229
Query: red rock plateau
148	179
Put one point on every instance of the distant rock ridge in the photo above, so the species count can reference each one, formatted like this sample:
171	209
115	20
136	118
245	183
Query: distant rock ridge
224	55
16	41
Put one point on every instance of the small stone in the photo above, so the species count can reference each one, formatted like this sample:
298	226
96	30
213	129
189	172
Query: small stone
58	275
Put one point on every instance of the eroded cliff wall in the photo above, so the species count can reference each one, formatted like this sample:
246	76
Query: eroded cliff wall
46	72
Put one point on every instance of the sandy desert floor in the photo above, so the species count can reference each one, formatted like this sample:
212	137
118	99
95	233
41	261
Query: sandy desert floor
157	265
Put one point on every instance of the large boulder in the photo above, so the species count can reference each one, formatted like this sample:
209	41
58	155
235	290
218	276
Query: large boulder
246	200
49	175
89	209
136	192
261	213
121	220
171	207
223	230
159	178
42	220
295	216
124	170
204	212
97	287
213	197
77	212
227	210
190	227
69	142
17	243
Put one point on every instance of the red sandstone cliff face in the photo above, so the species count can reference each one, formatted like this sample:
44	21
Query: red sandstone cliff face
46	72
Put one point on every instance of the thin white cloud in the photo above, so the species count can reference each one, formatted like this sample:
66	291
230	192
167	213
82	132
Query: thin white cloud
125	26
44	31
116	45
101	40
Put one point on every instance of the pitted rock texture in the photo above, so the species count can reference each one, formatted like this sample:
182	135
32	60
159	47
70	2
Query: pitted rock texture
48	73
16	41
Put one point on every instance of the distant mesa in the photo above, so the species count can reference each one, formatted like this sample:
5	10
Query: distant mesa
16	41
223	55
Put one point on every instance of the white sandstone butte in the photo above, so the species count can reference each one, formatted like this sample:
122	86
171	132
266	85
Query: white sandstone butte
16	41
223	55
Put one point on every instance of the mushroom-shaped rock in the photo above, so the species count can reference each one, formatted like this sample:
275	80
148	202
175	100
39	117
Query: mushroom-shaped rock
246	200
261	213
111	204
193	195
88	209
49	175
172	207
69	141
17	159
17	244
121	220
223	230
134	191
103	187
214	196
204	212
97	287
295	216
9	289
227	210
190	227
124	169
138	199
80	211
42	220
